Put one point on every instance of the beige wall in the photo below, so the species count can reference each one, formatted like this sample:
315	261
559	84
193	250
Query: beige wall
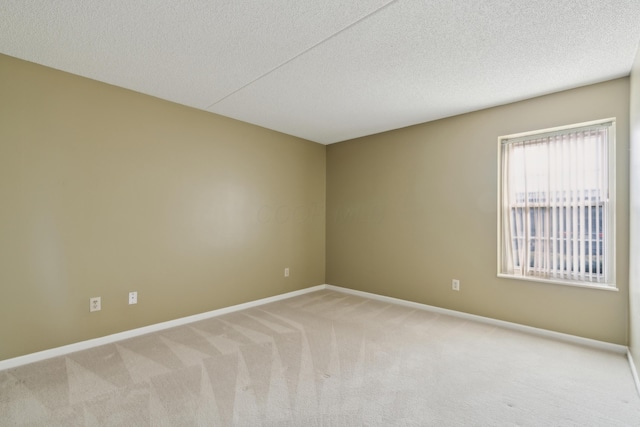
105	191
634	248
411	209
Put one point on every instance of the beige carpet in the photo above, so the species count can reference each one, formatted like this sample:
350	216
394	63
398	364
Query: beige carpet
326	359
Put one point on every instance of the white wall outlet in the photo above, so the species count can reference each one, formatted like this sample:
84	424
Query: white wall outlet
133	297
455	284
94	304
286	272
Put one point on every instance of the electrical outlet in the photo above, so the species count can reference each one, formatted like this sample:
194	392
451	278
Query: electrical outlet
94	304
133	297
286	272
455	284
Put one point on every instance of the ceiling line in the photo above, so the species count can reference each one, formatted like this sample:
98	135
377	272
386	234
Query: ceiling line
302	53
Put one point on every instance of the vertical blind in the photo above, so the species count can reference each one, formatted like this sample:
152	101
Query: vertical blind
555	196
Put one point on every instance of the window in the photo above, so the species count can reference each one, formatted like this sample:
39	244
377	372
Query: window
556	217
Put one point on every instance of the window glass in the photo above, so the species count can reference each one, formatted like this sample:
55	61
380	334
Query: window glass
556	213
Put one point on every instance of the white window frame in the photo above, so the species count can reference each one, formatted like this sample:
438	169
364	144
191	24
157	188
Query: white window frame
610	204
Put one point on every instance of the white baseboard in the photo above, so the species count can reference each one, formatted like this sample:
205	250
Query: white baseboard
634	371
616	348
84	345
587	342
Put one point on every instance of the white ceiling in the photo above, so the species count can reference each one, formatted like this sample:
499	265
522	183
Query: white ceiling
330	70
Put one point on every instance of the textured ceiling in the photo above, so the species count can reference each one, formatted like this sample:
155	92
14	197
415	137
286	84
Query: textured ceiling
330	70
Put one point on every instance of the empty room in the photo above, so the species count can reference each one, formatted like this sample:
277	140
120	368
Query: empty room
367	213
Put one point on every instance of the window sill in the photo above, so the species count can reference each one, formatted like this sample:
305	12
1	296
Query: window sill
588	285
